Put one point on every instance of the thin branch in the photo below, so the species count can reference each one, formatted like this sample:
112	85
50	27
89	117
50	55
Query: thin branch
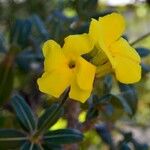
140	39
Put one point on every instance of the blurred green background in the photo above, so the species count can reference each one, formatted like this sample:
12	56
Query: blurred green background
26	24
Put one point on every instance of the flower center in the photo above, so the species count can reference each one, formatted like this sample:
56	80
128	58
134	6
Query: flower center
72	64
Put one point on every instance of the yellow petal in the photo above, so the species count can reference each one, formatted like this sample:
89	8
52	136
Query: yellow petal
78	44
78	94
126	70
123	49
111	27
85	74
55	82
54	56
102	47
94	30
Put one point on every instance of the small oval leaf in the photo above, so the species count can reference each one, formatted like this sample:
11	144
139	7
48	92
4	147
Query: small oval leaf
26	145
142	51
10	138
105	134
49	118
128	92
24	113
38	23
145	68
30	146
63	136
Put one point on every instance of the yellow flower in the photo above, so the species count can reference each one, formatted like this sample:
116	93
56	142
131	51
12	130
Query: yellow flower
64	67
113	50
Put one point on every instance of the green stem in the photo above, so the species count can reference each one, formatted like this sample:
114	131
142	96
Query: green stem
64	98
140	39
104	69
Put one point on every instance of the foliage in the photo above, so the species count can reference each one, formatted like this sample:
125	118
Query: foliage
27	115
34	135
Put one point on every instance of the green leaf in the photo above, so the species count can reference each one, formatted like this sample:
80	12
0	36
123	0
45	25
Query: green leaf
117	101
92	111
112	106
123	146
142	51
6	80
36	20
140	146
26	145
50	117
63	136
30	146
26	57
20	32
25	33
117	109
15	31
36	147
105	134
145	68
49	146
128	92
103	99
24	113
10	138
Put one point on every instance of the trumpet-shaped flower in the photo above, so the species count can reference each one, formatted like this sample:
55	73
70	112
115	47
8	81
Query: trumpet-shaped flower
64	67
113	50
